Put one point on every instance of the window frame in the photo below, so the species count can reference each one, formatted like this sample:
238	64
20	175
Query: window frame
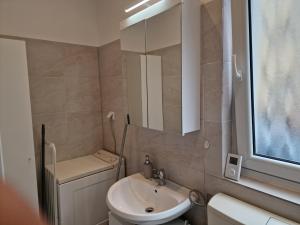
243	100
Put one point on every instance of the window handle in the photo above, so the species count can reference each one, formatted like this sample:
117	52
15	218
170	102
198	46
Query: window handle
238	73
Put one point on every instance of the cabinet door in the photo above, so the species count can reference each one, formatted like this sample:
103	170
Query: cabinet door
154	91
17	147
83	201
163	42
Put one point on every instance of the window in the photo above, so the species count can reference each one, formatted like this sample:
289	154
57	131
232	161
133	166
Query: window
268	97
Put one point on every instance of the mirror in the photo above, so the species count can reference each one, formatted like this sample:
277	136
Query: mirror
152	64
134	69
164	44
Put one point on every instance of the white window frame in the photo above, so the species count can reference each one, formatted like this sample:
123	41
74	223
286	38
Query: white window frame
242	96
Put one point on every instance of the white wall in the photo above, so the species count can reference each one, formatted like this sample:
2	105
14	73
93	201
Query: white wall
86	22
71	21
111	13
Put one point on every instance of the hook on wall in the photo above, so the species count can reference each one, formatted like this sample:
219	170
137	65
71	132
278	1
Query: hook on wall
238	73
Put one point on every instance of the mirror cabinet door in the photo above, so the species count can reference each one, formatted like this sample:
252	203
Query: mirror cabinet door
152	64
134	69
163	51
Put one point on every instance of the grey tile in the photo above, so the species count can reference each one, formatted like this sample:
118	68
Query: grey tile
65	95
211	15
212	85
77	86
91	143
47	94
211	31
211	43
82	124
83	104
113	92
214	156
55	124
172	118
110	59
47	58
172	90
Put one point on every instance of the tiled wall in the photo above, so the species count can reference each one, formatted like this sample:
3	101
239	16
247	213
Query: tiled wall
185	159
65	96
182	157
69	96
113	92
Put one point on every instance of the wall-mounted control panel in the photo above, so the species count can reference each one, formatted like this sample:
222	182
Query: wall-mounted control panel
233	166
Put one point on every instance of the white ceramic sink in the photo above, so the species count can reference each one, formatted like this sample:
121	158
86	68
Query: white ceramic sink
131	196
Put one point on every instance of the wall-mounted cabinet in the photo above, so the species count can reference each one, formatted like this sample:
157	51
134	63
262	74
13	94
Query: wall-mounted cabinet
161	60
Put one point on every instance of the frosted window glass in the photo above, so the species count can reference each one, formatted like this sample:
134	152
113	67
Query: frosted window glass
275	28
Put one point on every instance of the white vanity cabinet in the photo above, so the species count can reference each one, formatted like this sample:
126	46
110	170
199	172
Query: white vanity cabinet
161	60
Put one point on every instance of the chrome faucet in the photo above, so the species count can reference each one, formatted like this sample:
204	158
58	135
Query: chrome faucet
160	176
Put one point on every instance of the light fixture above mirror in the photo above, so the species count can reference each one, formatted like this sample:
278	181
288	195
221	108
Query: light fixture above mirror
135	6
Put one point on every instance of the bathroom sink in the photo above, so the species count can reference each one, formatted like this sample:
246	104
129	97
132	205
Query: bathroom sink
141	201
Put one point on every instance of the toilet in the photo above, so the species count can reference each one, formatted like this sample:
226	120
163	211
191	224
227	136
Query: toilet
226	210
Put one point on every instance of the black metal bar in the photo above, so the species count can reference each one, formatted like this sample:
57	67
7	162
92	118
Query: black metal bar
128	119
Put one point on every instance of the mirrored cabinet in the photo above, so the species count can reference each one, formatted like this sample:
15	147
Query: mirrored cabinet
161	61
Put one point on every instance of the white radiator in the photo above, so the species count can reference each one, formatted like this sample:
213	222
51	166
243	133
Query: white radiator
50	185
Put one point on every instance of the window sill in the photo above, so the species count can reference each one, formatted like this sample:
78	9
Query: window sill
269	189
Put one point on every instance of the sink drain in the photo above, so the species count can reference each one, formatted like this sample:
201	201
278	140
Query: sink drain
149	209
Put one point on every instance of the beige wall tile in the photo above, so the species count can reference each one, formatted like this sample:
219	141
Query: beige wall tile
81	124
213	159
48	58
211	32
77	86
88	144
172	118
48	94
180	156
65	96
211	15
113	92
212	84
57	127
84	104
110	59
172	90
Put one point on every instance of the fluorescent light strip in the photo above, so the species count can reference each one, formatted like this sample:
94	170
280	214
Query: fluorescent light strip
136	6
